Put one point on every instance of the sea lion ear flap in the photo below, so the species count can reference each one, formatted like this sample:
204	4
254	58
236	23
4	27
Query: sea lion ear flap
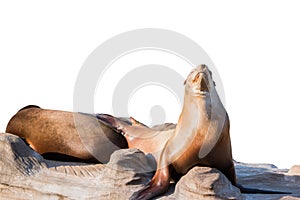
184	82
211	77
135	122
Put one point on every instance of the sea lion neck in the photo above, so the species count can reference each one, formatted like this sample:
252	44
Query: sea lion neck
196	103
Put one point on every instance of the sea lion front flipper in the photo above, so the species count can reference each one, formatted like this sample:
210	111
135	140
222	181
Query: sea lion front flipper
158	185
108	119
112	122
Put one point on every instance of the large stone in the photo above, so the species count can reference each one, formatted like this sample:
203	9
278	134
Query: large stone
127	171
267	177
295	170
206	183
24	174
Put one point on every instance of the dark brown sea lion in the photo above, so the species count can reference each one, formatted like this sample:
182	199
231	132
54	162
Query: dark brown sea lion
65	135
201	137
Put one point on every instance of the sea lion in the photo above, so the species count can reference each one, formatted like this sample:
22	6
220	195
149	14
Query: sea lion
200	138
138	135
67	136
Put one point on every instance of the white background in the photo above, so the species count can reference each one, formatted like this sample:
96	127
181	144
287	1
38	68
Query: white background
255	47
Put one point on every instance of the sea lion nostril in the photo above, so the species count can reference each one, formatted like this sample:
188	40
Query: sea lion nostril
196	77
203	85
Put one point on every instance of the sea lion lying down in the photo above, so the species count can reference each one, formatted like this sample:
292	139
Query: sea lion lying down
66	136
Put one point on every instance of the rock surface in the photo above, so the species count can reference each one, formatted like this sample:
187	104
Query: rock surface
267	177
295	170
206	183
24	174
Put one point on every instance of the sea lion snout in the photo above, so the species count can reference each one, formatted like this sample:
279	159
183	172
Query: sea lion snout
203	86
199	81
203	66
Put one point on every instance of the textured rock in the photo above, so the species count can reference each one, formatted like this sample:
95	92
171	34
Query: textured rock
295	170
128	170
206	183
24	174
267	177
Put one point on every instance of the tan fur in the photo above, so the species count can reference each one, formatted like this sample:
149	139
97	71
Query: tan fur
201	137
78	135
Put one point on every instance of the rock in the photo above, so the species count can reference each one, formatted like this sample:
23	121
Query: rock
24	174
295	170
27	175
289	198
17	158
128	170
206	183
267	177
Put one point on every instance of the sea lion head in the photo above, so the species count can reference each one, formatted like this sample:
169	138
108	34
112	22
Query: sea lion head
199	82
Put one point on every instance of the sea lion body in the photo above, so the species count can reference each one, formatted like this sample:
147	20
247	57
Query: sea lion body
76	135
149	140
201	136
202	133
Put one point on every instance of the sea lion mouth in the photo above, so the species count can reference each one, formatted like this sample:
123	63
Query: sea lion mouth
203	86
200	83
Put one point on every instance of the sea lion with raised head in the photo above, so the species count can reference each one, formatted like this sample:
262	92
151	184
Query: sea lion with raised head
201	137
66	136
